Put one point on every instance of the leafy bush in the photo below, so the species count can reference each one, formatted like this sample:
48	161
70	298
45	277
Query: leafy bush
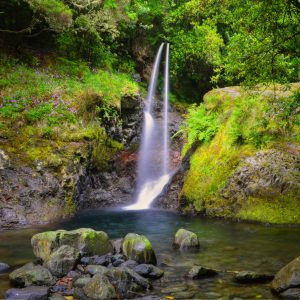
200	125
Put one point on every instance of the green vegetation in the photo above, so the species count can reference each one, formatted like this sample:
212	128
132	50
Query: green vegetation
212	42
243	122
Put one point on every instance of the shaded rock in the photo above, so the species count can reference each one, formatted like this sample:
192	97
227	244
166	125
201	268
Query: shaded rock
87	241
288	277
138	248
103	260
99	288
93	269
28	293
149	271
252	277
126	281
130	264
31	274
82	281
149	298
185	239
74	275
198	272
62	261
4	267
57	296
291	294
117	244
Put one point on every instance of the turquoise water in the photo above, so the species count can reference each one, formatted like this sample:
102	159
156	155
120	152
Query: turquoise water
224	246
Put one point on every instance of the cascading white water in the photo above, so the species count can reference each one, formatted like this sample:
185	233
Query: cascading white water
154	155
166	150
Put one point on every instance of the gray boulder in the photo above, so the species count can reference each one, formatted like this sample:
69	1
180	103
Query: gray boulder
149	271
28	293
31	274
62	261
138	248
99	288
185	240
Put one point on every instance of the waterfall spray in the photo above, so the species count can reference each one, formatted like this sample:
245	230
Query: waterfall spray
153	164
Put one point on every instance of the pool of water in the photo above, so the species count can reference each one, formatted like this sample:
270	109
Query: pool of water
225	246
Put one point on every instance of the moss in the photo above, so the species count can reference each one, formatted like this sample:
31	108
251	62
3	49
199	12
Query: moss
281	210
210	167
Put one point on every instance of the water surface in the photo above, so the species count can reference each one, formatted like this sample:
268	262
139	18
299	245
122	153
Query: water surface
225	246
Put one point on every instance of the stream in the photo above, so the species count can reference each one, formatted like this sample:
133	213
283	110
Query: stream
225	245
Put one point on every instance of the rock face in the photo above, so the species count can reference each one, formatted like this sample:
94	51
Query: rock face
185	240
86	241
138	248
99	288
29	293
63	260
288	278
267	174
31	274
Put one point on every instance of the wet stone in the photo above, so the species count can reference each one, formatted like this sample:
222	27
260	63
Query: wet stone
4	267
252	277
28	293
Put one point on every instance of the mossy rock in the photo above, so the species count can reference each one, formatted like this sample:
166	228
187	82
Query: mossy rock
31	274
99	288
86	241
62	261
288	277
185	240
138	248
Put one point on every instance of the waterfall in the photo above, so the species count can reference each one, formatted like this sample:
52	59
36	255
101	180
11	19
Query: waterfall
154	153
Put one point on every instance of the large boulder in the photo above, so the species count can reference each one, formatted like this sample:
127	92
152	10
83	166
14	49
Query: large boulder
288	278
62	261
31	274
99	288
28	293
185	239
138	248
86	241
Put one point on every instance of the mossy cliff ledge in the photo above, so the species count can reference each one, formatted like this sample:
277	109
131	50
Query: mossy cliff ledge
247	158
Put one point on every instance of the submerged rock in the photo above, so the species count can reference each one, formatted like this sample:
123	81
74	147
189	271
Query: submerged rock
31	274
87	241
4	267
138	248
99	288
62	261
185	239
288	277
149	271
28	293
252	277
198	272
